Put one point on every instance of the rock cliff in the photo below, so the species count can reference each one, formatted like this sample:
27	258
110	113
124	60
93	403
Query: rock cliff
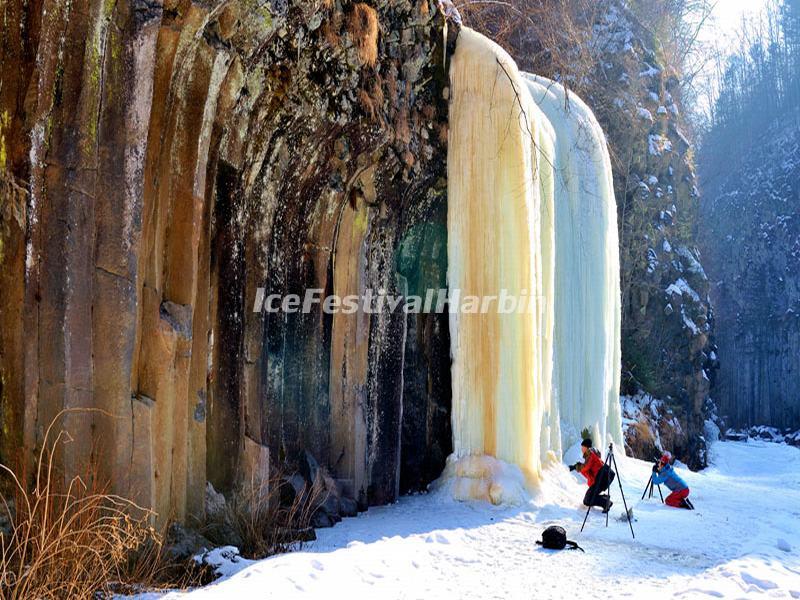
668	348
160	164
752	242
165	167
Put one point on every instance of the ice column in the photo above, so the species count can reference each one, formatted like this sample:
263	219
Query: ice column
501	245
587	357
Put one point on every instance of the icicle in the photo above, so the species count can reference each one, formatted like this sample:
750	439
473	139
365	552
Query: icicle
550	436
587	282
501	366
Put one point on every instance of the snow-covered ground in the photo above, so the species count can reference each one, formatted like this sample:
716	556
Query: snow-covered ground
742	541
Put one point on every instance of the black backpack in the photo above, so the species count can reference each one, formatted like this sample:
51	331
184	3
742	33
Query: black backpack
555	538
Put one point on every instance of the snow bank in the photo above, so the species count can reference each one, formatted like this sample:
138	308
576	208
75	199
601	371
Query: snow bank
765	433
225	560
738	543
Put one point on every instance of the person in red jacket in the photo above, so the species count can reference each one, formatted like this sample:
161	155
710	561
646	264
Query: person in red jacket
598	476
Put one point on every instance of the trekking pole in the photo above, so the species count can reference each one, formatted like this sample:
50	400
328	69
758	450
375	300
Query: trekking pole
619	481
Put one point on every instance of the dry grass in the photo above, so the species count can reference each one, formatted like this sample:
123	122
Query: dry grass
640	440
69	539
367	104
263	523
362	24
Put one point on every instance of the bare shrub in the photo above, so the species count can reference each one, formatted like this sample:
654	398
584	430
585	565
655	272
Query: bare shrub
267	518
550	37
71	539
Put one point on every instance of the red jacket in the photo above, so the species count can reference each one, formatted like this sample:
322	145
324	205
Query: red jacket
592	465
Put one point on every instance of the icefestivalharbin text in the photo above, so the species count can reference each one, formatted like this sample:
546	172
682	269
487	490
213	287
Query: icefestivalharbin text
377	301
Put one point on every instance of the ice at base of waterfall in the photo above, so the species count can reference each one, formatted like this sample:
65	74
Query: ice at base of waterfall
740	542
482	478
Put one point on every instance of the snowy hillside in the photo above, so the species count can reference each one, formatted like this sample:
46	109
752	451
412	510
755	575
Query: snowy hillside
752	247
743	539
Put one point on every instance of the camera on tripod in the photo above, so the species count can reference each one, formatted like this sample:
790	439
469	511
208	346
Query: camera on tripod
648	489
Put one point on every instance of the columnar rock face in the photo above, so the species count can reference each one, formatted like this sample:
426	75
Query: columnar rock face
160	164
752	242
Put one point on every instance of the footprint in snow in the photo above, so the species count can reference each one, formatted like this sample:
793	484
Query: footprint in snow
693	591
317	565
764	584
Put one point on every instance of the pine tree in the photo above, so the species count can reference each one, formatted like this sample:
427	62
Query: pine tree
790	21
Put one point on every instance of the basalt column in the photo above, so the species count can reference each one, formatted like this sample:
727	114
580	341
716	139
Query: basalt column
161	164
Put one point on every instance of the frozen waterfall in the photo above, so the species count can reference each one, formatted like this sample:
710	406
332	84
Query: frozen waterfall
587	355
531	215
497	211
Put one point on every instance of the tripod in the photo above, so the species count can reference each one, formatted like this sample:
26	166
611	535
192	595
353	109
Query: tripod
649	488
609	461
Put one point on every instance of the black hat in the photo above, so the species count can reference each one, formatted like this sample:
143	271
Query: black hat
587	443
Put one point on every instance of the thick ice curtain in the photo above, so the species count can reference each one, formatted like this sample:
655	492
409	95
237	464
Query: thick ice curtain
496	245
587	353
550	436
